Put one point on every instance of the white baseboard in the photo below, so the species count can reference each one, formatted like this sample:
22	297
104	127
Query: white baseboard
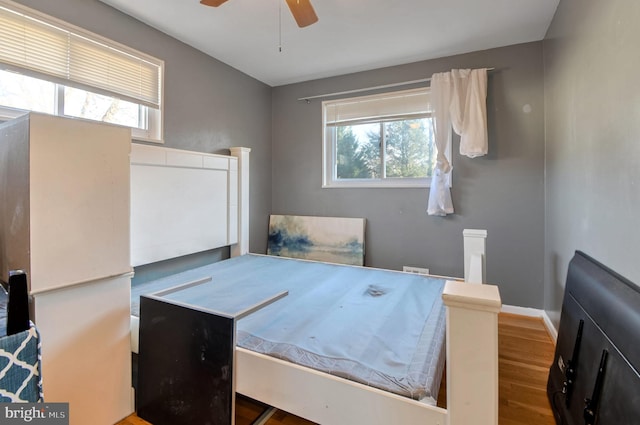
552	329
533	312
522	311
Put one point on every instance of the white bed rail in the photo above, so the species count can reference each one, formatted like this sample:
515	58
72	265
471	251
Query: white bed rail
472	353
242	247
324	398
475	253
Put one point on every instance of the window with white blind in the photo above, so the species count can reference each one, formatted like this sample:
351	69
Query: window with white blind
49	66
383	140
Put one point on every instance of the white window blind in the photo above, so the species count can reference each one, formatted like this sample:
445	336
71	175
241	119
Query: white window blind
51	49
406	104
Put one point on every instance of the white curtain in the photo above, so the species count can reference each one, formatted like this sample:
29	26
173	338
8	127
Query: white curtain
469	110
458	99
439	194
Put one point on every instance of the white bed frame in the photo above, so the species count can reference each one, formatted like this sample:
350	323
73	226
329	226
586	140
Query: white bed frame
472	315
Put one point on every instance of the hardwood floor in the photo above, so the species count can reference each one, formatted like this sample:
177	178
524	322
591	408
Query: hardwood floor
525	354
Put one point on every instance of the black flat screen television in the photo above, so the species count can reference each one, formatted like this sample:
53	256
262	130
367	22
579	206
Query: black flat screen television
594	377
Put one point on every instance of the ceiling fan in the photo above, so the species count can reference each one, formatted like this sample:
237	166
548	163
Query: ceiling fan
302	10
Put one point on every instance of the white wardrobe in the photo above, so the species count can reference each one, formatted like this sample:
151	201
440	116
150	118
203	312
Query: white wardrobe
64	219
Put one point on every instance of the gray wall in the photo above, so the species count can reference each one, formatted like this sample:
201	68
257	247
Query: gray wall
502	192
592	116
209	106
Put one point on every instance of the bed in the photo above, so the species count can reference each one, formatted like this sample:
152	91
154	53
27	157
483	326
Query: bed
235	299
336	319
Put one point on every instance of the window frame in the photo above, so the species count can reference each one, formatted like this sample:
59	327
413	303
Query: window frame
153	117
329	154
154	131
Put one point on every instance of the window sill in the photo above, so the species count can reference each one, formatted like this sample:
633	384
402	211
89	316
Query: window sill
378	184
146	139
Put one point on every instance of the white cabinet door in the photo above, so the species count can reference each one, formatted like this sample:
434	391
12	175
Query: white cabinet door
86	355
79	201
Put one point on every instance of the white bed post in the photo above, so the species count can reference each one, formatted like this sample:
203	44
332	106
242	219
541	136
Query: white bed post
472	353
242	247
475	254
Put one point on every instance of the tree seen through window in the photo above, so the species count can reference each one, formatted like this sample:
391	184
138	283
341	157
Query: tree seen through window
392	149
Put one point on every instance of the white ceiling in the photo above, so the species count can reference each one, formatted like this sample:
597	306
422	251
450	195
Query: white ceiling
350	36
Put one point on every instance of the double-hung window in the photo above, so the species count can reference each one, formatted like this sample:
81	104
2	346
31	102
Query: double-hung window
383	140
49	66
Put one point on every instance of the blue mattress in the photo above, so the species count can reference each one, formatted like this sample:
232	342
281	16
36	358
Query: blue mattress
377	327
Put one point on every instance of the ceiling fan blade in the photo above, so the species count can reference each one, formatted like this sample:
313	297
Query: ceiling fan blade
302	12
214	3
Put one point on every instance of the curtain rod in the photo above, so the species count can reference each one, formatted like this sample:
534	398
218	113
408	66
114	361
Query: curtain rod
385	86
